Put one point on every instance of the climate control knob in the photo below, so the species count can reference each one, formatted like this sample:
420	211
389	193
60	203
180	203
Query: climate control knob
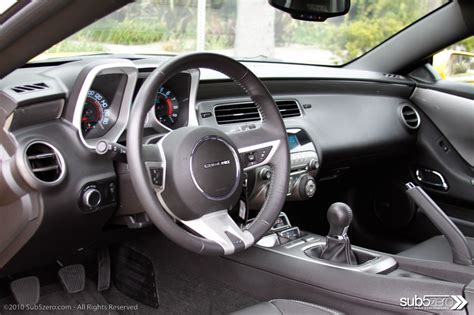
91	197
310	188
307	187
313	164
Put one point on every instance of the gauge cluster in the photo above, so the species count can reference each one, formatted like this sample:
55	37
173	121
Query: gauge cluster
107	94
103	105
96	115
166	107
173	102
103	102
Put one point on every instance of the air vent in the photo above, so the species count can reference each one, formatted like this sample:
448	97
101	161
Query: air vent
393	76
288	109
236	113
245	112
30	87
45	162
410	116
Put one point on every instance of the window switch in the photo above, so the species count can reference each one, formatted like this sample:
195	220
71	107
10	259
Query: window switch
443	146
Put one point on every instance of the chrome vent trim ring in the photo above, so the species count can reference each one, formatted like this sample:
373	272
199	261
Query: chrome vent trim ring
45	163
410	116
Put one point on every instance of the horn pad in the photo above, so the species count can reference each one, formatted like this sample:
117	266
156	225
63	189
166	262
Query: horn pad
215	167
203	172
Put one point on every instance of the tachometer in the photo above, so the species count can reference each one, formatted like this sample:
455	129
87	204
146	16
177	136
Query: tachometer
166	107
96	113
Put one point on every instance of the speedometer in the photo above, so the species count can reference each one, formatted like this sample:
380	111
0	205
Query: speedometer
96	114
166	107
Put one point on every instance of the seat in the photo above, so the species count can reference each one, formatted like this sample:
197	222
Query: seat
435	249
286	307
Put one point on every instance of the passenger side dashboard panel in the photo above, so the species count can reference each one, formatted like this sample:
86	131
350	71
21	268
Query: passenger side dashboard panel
348	120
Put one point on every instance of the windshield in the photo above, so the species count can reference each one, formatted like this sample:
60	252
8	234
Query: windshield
244	29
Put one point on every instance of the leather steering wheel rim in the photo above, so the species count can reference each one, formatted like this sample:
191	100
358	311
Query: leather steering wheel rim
272	127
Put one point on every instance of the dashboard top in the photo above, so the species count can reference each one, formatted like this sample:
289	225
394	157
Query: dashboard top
191	98
60	77
263	69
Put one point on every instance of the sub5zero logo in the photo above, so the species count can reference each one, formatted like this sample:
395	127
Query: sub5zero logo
434	302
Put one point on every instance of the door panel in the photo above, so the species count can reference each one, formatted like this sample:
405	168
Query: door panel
454	117
446	145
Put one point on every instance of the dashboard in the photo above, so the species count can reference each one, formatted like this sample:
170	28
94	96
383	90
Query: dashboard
98	116
106	96
334	118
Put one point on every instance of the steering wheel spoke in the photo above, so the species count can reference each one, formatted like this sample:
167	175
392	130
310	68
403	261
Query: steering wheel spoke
220	228
155	165
256	147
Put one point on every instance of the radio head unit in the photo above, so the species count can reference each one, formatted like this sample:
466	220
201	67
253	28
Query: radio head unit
303	153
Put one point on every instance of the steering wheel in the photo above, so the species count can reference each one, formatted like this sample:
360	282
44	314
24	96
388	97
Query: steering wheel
193	176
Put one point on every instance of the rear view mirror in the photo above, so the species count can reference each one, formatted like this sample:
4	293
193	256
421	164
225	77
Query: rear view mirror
312	10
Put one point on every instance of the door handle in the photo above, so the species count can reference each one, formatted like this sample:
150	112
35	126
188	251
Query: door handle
431	178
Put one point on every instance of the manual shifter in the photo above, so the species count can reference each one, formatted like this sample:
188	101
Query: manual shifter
338	247
339	217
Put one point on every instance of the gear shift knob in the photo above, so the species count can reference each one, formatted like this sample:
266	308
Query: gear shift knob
339	217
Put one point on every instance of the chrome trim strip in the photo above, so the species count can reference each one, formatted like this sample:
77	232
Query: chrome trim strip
159	190
9	121
163	161
127	68
192	107
213	226
400	110
237	168
25	165
295	244
287	225
380	264
274	144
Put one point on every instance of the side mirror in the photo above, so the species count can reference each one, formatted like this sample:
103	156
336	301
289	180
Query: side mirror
455	66
312	10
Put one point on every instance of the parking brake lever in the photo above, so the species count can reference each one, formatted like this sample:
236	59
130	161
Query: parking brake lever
457	241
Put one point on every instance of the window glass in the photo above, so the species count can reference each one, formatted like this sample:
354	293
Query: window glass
456	62
244	29
6	4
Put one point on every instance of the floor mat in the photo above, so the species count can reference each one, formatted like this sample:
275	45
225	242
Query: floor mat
54	300
184	292
181	292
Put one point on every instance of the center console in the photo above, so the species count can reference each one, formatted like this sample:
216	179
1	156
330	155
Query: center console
288	240
305	163
291	260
